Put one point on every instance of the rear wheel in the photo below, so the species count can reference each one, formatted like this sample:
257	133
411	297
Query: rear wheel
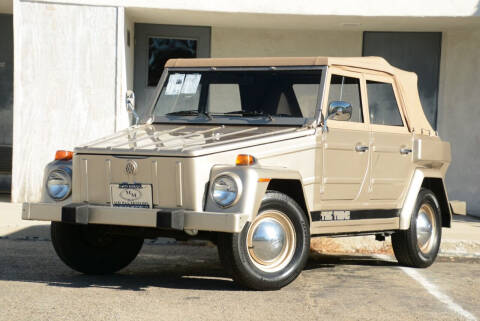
91	249
272	250
418	246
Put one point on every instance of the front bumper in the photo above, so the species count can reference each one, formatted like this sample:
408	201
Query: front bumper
177	219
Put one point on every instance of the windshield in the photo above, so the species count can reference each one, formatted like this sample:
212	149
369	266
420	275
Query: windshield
270	97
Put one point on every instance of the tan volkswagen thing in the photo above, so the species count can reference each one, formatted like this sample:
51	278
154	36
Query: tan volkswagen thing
257	155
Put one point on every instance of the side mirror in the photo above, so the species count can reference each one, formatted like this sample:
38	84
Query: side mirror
130	104
339	110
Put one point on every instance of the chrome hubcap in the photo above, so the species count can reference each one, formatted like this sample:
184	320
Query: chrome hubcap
271	241
268	240
426	229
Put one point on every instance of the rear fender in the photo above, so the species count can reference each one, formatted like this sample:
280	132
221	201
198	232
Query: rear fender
432	180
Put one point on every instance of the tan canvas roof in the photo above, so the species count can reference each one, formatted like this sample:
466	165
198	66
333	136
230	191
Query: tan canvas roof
406	81
362	62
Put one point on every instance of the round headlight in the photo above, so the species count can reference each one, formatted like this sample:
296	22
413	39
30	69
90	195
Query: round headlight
59	184
224	190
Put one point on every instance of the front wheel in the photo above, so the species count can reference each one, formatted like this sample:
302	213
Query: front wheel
271	251
91	249
418	246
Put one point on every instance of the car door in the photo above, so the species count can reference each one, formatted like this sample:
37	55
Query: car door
391	165
345	145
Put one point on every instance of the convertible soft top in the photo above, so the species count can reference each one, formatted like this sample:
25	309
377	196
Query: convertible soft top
406	81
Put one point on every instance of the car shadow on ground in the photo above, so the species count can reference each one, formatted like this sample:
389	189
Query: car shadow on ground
317	260
34	260
166	266
136	282
207	276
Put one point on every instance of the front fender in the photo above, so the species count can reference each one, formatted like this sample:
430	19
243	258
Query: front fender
254	180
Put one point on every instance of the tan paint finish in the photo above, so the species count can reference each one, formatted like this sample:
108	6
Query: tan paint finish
390	170
97	173
345	170
334	174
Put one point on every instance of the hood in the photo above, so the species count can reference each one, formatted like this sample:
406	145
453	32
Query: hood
187	140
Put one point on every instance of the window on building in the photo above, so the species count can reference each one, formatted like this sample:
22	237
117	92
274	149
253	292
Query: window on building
162	49
383	104
347	89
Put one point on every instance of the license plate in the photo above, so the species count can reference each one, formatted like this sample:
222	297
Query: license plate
131	195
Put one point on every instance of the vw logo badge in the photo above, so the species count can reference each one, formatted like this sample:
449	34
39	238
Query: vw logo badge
131	167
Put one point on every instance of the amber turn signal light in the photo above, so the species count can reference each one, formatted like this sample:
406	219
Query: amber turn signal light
244	160
63	155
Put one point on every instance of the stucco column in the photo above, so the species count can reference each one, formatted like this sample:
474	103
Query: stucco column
65	84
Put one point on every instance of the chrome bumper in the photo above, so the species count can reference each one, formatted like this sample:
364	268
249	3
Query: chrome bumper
178	219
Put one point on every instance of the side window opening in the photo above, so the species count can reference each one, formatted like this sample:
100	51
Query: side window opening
383	104
347	89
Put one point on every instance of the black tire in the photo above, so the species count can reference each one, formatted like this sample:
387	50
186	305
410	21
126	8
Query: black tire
91	250
405	244
238	262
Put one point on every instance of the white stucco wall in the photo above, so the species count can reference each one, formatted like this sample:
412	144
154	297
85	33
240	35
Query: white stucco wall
242	42
64	88
459	114
369	8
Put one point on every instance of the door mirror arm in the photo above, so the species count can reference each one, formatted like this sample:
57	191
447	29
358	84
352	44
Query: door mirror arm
130	104
323	122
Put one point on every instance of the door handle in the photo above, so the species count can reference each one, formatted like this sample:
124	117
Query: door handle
405	151
361	148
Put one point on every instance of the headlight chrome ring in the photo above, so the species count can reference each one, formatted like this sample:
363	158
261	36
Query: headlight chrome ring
59	183
226	189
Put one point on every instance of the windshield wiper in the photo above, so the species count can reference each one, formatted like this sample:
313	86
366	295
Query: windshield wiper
193	112
247	113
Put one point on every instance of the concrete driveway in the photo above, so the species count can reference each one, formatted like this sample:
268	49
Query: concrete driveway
179	282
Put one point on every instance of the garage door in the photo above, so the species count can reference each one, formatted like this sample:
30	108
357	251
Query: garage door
412	51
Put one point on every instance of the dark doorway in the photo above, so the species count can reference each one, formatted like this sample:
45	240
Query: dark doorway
6	101
413	51
154	45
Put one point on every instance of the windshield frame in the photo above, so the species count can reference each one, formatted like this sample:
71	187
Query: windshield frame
279	121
